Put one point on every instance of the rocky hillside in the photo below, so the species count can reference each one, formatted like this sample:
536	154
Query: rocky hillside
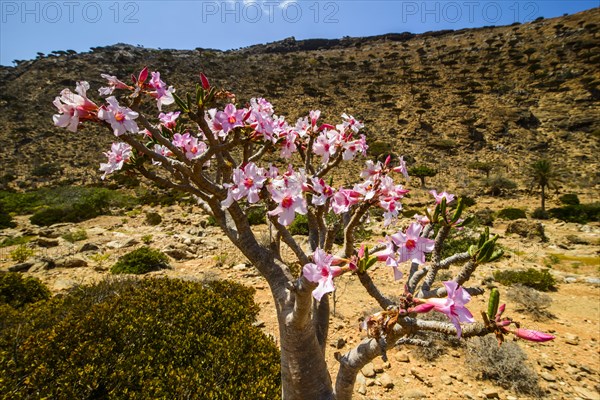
505	95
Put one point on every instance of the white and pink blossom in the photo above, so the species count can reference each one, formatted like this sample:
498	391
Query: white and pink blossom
121	119
454	305
411	245
321	272
118	155
162	93
74	108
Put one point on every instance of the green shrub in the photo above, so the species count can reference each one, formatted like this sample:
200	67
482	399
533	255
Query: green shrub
531	277
71	203
505	365
75	236
6	220
21	253
257	215
499	185
299	226
153	218
511	213
580	213
139	339
140	261
47	169
538	213
569	199
485	217
13	241
17	290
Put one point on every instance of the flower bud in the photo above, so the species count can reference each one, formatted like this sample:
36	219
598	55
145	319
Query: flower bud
422	308
533	336
204	81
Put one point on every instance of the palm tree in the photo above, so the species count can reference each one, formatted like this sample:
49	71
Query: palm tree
543	175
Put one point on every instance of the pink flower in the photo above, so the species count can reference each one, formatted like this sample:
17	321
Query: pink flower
533	336
289	202
230	118
288	146
163	151
352	123
74	108
121	119
344	199
118	155
247	182
402	168
169	119
321	272
454	305
162	93
113	83
194	148
390	256
314	117
372	170
411	246
180	140
444	195
323	190
355	146
325	144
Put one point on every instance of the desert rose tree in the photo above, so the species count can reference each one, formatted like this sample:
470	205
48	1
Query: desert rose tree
215	149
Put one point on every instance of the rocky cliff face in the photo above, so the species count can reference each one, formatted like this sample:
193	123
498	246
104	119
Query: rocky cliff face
505	95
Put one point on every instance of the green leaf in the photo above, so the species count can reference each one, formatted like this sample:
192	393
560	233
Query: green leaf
180	103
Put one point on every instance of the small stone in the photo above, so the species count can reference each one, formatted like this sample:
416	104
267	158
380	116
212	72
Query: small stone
491	393
188	242
511	398
547	376
368	370
586	393
572	371
401	356
177	254
414	394
571	339
455	354
46	243
49	233
545	363
569	279
71	263
362	389
386	381
469	396
258	324
340	343
89	247
378	366
446	380
239	267
593	281
370	382
21	267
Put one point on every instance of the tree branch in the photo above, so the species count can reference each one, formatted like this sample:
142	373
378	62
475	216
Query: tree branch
373	290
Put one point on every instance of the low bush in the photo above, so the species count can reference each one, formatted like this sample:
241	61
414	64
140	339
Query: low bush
439	343
140	261
6	220
153	218
505	365
257	215
21	253
15	240
569	199
17	290
299	226
139	339
531	277
531	302
75	236
581	213
538	213
499	185
511	213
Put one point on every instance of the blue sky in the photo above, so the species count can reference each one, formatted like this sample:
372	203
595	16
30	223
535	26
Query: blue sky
28	27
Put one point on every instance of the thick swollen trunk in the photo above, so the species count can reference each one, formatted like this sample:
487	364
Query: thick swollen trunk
304	374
